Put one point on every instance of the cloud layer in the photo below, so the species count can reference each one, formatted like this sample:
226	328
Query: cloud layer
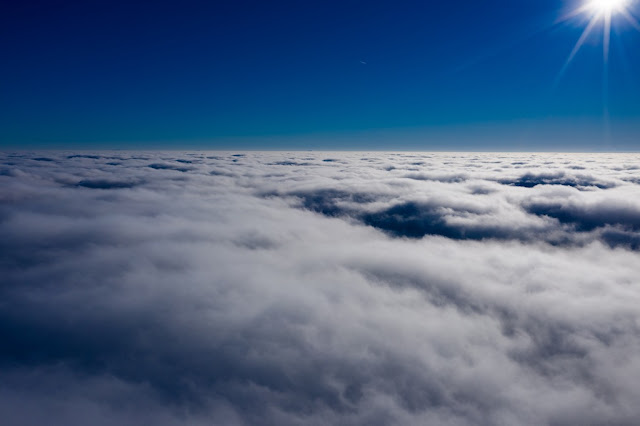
319	288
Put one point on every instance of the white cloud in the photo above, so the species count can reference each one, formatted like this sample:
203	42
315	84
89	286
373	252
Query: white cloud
279	288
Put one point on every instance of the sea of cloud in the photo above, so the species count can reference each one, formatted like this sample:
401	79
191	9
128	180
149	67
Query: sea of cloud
309	288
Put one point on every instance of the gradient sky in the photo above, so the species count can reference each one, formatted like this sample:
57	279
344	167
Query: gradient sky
307	74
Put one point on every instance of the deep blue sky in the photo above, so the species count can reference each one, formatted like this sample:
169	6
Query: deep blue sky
480	75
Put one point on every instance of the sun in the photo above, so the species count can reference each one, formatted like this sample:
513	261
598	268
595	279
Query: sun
606	7
601	11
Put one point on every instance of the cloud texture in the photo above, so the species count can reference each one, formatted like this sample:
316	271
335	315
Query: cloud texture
319	288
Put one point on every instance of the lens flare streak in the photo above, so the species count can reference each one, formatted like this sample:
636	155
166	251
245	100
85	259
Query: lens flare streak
601	11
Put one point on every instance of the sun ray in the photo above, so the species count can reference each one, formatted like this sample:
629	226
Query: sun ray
577	47
634	23
600	10
605	77
607	37
572	14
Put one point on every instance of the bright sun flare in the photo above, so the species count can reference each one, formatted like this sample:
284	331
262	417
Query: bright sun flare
601	11
607	6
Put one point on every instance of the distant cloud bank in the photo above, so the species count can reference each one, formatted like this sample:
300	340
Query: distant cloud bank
311	288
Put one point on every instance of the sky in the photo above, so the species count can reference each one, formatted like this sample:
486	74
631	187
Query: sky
383	75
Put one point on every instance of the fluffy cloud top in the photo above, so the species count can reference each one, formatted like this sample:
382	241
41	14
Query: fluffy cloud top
319	288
